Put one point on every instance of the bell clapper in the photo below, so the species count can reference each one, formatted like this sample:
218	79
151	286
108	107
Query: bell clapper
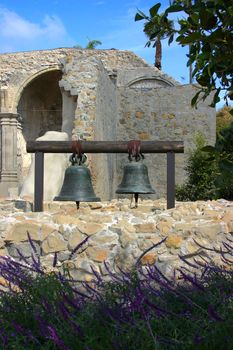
77	203
136	195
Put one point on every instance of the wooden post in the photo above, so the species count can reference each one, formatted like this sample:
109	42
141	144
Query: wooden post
170	180
39	181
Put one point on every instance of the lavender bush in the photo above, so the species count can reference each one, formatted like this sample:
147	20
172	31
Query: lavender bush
140	309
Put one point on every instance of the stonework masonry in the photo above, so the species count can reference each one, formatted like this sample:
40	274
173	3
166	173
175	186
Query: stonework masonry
117	235
96	95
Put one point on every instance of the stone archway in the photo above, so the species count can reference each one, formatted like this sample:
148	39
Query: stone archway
40	110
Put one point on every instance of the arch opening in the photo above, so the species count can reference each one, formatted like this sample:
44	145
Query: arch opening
40	105
39	110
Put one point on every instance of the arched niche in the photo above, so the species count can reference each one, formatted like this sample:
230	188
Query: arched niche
40	110
40	105
149	82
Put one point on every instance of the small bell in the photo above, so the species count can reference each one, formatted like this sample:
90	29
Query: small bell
135	179
77	184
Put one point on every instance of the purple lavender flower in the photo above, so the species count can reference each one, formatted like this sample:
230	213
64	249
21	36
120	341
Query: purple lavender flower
55	338
55	259
78	247
213	314
31	242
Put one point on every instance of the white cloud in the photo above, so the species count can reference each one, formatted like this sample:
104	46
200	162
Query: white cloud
54	27
15	27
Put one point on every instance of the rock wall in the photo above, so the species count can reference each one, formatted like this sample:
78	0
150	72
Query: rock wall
17	69
105	95
116	234
150	112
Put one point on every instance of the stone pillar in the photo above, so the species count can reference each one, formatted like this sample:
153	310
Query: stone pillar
8	166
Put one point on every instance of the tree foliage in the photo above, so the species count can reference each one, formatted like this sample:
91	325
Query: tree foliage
223	118
91	45
206	26
201	175
149	29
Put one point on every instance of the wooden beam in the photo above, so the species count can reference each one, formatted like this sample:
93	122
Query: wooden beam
104	146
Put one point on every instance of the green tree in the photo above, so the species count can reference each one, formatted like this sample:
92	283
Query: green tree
206	26
201	175
223	118
92	44
150	28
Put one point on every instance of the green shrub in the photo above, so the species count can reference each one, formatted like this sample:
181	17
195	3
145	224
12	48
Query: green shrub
222	154
137	310
223	118
201	175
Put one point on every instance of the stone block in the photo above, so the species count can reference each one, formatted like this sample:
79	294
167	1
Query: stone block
148	227
164	227
173	241
90	228
54	243
148	259
98	254
66	219
104	238
18	231
139	114
75	239
24	248
143	135
209	231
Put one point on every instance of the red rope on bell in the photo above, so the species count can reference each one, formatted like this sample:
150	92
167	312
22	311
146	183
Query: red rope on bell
134	148
76	147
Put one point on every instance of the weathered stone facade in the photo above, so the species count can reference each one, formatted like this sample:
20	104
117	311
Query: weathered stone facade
94	95
116	234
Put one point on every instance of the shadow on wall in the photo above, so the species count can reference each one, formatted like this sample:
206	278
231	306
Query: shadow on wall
40	110
54	169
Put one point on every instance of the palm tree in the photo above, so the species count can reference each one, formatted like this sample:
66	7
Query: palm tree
151	29
90	45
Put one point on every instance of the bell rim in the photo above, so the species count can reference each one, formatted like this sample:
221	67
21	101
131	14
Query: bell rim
81	199
139	192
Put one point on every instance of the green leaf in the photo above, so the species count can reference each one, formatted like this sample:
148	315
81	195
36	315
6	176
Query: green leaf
154	10
174	8
171	39
138	17
209	149
226	165
190	38
195	98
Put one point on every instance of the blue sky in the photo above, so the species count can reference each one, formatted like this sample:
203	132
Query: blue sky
44	24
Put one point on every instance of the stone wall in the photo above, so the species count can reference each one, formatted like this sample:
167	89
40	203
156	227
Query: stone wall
17	69
162	113
116	234
105	95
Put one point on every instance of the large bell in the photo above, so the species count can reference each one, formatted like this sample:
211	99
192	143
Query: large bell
77	185
135	180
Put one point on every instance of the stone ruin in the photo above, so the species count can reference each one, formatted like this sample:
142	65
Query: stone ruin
93	95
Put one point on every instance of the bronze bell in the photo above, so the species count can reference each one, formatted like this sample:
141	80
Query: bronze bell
77	185
135	180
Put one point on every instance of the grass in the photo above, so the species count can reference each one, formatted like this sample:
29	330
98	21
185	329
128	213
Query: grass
141	309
